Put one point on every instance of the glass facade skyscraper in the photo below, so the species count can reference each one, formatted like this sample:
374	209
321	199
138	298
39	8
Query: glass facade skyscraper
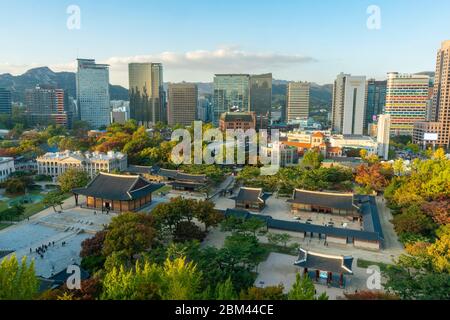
92	82
5	101
376	101
147	98
231	93
261	94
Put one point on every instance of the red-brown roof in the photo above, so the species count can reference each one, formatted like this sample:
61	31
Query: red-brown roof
297	144
318	135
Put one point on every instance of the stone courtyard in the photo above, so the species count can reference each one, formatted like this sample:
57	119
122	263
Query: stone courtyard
62	233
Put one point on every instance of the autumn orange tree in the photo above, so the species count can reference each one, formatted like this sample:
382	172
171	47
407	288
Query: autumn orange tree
375	177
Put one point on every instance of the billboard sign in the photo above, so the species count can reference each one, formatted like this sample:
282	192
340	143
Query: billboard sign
430	137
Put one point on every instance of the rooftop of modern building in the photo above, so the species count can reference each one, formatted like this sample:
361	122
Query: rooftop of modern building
232	74
343	159
352	138
445	44
90	63
6	159
237	116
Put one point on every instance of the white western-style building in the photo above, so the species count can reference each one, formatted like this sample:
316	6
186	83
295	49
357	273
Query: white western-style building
55	164
6	168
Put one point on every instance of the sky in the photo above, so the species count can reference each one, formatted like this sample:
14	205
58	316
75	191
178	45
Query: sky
297	40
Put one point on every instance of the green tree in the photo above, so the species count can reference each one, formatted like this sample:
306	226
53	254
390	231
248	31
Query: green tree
414	148
399	167
303	289
413	220
18	281
279	238
15	186
181	280
167	216
225	291
261	294
206	213
413	278
139	141
130	233
313	159
175	280
243	249
19	210
253	226
53	199
187	231
140	283
72	179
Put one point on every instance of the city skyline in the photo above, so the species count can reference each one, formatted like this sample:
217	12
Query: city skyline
316	50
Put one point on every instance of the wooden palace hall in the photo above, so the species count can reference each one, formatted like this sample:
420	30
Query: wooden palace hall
117	193
325	269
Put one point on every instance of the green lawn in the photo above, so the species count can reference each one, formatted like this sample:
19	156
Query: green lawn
163	189
31	209
4	225
3	205
279	249
364	264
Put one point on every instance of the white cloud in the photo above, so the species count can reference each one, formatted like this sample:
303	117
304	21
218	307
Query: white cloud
199	65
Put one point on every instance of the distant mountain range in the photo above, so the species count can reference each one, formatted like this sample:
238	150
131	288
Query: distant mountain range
320	95
43	75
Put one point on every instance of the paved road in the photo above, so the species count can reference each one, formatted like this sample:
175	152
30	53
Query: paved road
223	186
391	242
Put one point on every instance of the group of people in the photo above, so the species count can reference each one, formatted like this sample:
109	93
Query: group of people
44	248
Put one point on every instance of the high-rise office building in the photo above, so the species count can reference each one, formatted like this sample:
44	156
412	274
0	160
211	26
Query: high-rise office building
376	100
147	98
45	105
92	82
231	93
204	108
406	101
349	100
383	135
182	104
437	131
261	94
297	101
5	101
441	102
